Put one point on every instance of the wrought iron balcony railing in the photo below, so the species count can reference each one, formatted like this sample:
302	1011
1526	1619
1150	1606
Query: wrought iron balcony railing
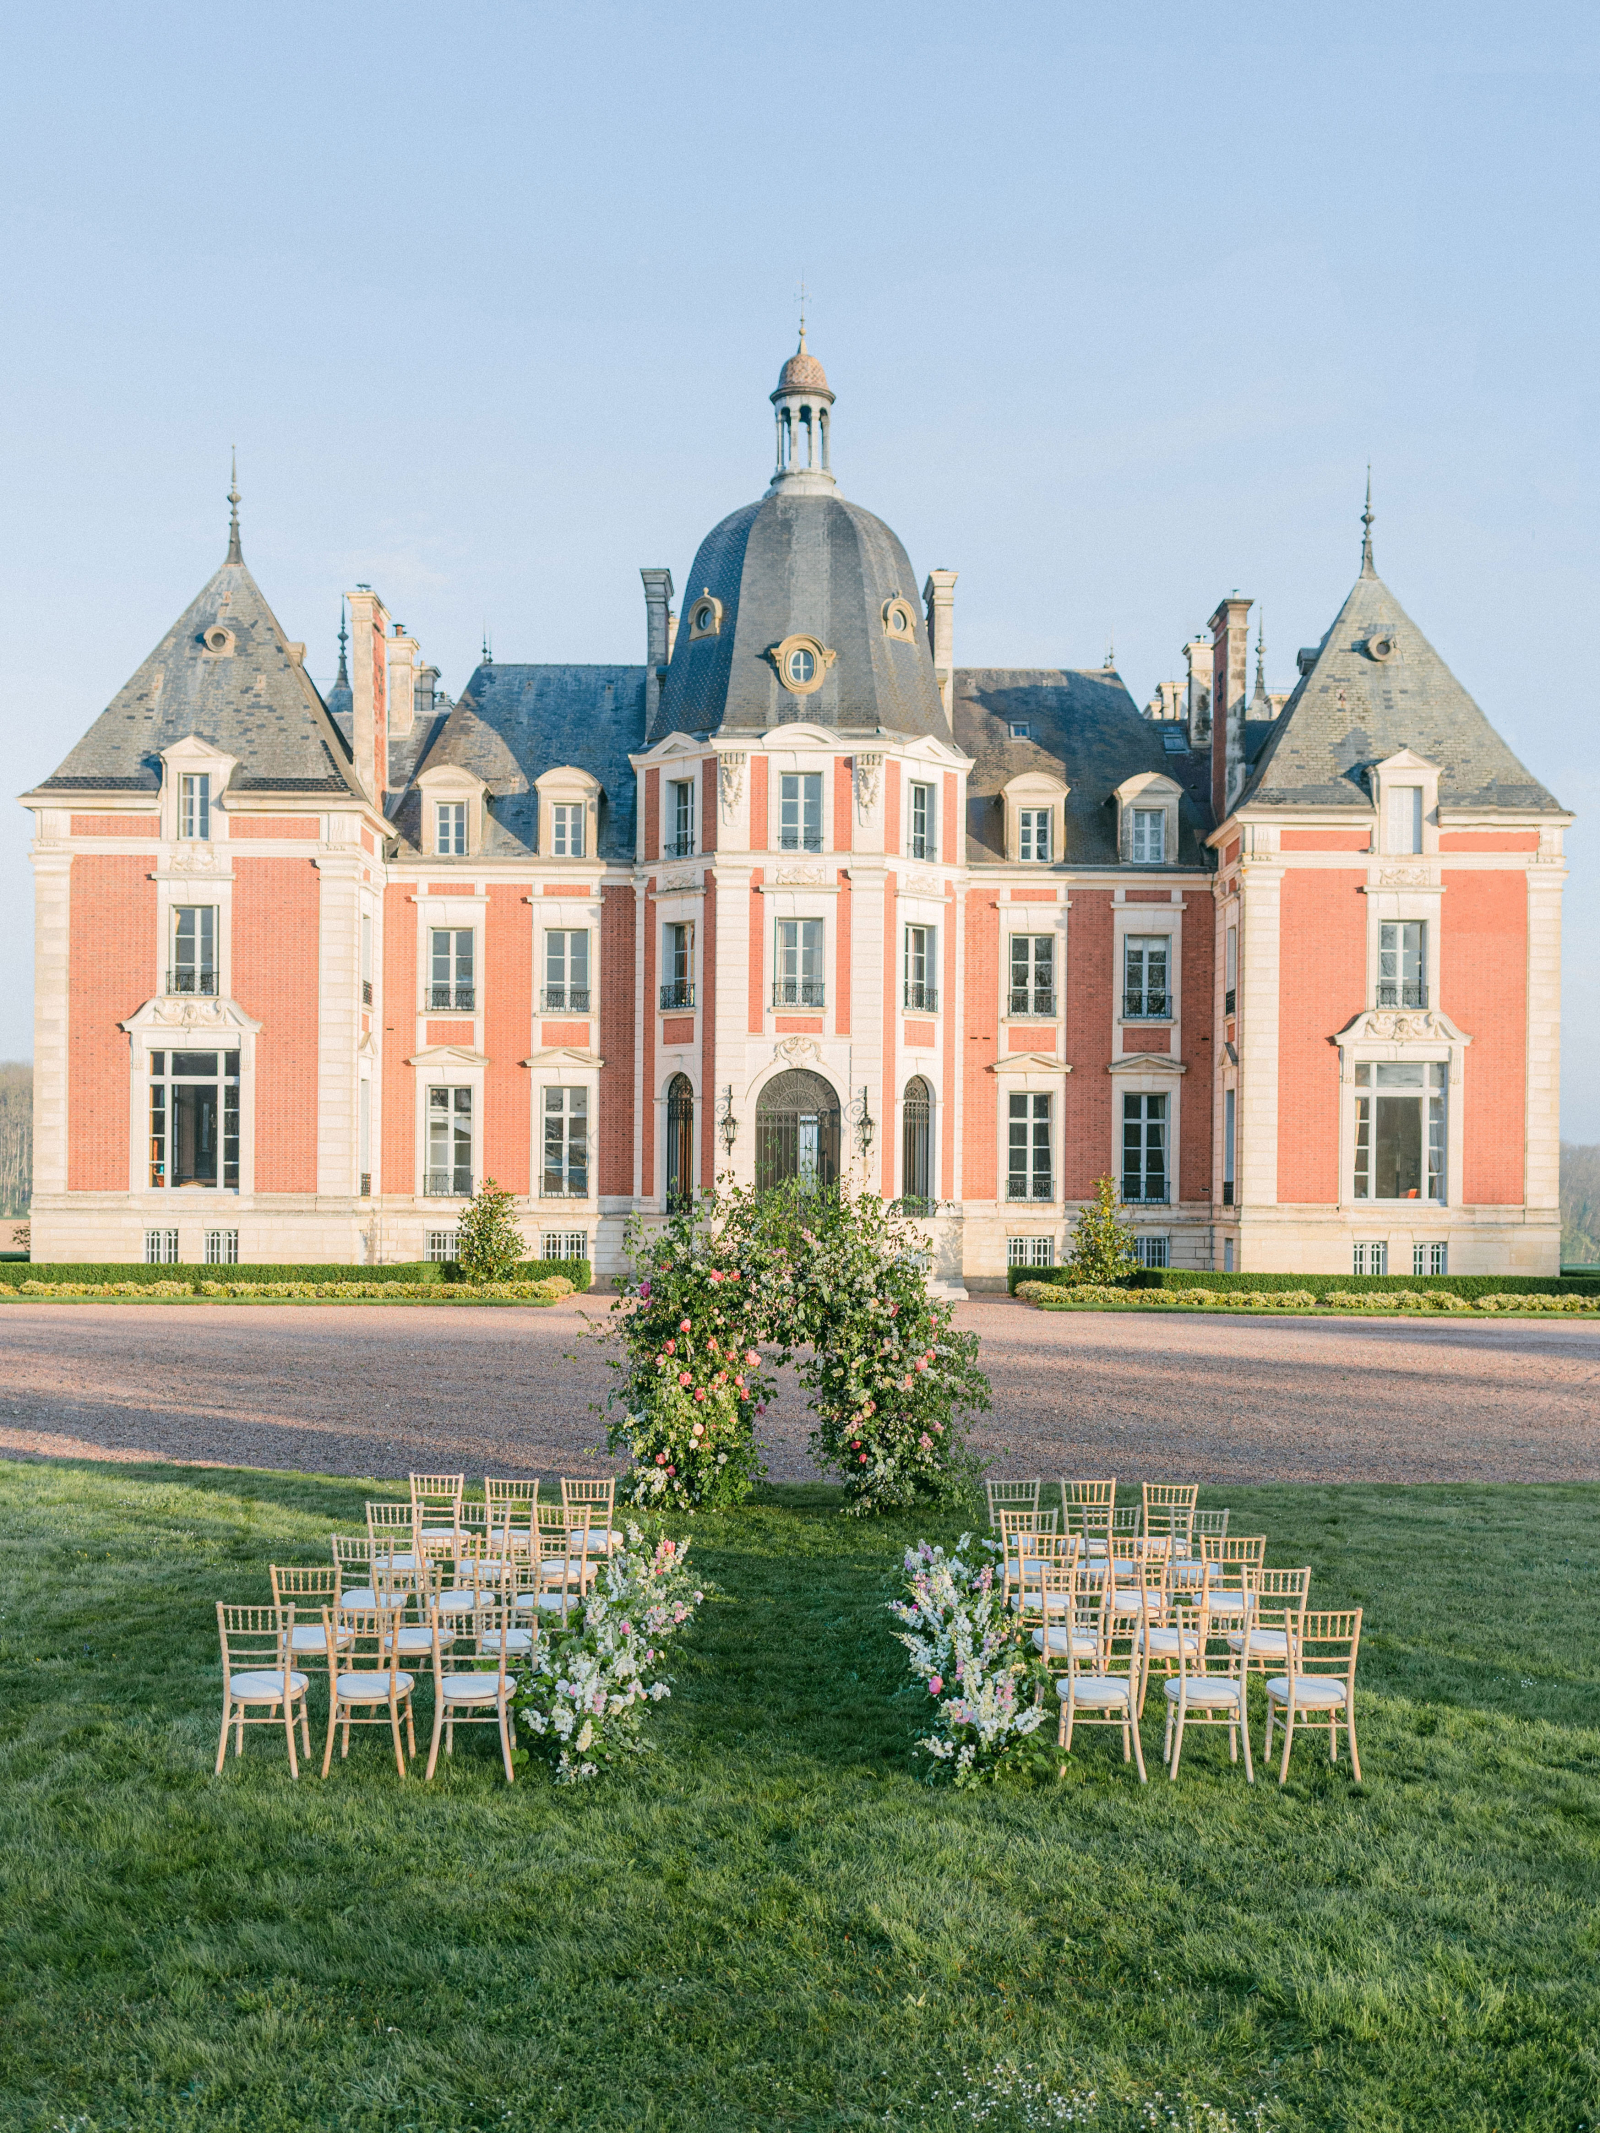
801	840
448	1184
1402	992
1146	1007
192	980
798	992
1033	1003
566	999
678	992
678	847
460	999
925	997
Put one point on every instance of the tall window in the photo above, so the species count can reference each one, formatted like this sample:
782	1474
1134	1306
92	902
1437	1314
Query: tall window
680	819
1230	969
194	804
1148	846
194	1119
916	1147
922	967
449	1172
1400	1130
566	1144
364	1092
922	822
366	958
1402	807
1144	1149
1230	1101
677	966
1144	977
1033	834
799	981
566	972
1028	1175
680	1144
1033	974
194	949
450	828
1403	964
1370	1259
452	985
566	831
800	811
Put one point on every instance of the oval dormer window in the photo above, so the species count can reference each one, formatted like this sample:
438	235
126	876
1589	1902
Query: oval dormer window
218	641
801	662
802	667
899	619
705	617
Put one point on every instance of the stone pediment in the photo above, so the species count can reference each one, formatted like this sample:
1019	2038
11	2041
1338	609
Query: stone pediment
187	1014
1400	1025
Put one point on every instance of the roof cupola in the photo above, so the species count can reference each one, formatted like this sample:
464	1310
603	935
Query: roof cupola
801	406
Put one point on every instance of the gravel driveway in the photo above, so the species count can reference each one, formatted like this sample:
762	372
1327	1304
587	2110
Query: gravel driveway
381	1389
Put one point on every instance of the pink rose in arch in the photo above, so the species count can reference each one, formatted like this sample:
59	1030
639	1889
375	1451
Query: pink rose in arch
671	1348
699	1392
684	1378
683	1325
935	1684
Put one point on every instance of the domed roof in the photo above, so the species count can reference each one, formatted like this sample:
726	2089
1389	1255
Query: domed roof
802	373
810	565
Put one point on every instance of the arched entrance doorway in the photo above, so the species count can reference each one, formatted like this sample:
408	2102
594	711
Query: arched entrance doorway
680	1144
797	1132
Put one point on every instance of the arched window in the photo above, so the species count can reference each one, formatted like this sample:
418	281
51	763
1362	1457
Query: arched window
916	1147
680	1144
797	1132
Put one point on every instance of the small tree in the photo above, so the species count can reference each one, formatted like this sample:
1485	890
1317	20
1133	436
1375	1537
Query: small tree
1102	1244
488	1242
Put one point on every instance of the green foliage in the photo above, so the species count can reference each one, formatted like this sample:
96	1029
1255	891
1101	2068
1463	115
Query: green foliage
489	1244
1580	1204
1468	1285
1102	1243
776	1923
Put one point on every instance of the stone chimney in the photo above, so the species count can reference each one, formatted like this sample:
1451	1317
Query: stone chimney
402	652
369	690
426	682
939	597
1197	697
1230	660
657	638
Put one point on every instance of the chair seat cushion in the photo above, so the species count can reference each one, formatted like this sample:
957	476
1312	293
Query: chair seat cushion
602	1539
1228	1601
264	1687
1080	1643
474	1688
303	1638
462	1599
1264	1643
437	1533
1318	1691
416	1637
565	1569
517	1640
1100	1691
1205	1688
371	1688
359	1596
1163	1643
1125	1600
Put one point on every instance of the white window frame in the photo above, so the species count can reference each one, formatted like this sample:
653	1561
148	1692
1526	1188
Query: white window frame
206	958
364	1137
222	1247
684	841
1146	793
795	832
439	1246
1430	1256
558	1244
161	1247
472	1088
1143	949
566	1106
1370	1256
920	952
1153	1248
922	817
800	963
678	964
1034	838
1148	837
567	823
1145	1122
194	806
366	958
1402	980
455	984
1029	1117
1031	993
567	959
451	833
1438	1151
1030	1251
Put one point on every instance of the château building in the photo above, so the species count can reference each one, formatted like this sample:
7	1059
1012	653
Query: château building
796	895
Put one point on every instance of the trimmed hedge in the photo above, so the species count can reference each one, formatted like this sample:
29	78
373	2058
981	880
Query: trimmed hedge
416	1275
1467	1285
1056	1296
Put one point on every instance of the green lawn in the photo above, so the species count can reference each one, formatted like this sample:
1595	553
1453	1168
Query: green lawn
777	1924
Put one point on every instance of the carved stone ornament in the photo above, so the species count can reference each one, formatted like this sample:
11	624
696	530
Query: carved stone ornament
922	885
794	1049
1405	878
810	876
683	878
869	772
1392	1028
188	1012
730	782
195	859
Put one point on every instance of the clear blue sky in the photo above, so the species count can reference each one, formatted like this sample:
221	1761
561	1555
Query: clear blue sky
1118	304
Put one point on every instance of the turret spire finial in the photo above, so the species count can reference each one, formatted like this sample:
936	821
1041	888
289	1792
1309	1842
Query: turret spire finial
802	348
235	552
1261	651
344	639
1367	568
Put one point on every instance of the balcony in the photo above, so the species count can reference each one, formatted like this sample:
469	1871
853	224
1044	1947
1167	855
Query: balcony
1146	1007
452	999
1228	999
678	847
573	1185
923	848
1402	992
924	998
678	992
448	1184
193	981
1151	1195
798	992
1042	1004
799	840
565	999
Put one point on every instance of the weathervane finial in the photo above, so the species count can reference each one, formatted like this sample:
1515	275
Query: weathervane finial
235	552
802	309
1367	568
344	639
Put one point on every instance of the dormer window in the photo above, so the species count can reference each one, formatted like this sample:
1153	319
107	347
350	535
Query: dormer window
899	619
1033	834
1020	729
1403	827
705	617
450	829
1149	846
566	831
194	805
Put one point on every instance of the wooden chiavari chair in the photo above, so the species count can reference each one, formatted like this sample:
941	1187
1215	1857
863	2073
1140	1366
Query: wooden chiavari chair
392	1530
367	1677
1167	1512
1273	1592
470	1685
352	1563
1025	1555
1011	1496
1205	1691
306	1588
590	1506
1319	1686
1101	1684
436	1500
1087	1508
256	1664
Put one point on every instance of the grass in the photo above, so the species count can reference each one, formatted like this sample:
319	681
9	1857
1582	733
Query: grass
776	1923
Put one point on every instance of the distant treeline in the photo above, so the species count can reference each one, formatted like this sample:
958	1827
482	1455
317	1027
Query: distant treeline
1580	1205
16	1141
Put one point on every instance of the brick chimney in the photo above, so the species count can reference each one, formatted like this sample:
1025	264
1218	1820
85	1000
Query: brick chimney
369	690
1230	652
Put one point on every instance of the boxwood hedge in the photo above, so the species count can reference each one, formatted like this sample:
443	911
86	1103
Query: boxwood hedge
14	1272
1466	1285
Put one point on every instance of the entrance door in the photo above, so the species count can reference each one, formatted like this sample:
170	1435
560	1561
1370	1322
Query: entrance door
797	1132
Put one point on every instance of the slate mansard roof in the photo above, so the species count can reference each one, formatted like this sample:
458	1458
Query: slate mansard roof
256	703
513	723
1352	710
1087	731
792	564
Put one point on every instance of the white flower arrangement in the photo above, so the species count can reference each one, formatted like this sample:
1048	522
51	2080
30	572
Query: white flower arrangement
588	1685
963	1638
